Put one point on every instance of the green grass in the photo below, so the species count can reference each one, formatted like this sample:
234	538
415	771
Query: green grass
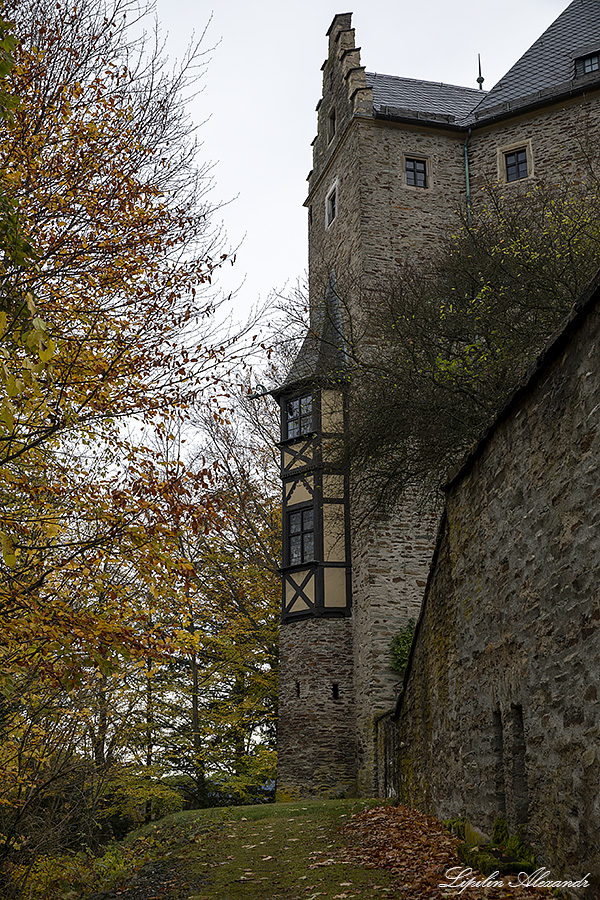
282	850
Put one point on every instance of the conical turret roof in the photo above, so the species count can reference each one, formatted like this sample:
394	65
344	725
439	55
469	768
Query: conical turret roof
323	356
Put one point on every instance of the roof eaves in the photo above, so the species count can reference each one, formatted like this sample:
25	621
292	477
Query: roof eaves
535	100
399	114
323	356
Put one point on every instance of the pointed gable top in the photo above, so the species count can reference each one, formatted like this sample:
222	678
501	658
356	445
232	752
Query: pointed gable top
323	356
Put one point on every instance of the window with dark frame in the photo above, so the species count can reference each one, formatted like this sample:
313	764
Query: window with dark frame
299	416
331	212
516	164
587	64
416	172
301	536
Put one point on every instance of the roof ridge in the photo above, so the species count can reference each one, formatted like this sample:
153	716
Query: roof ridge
462	87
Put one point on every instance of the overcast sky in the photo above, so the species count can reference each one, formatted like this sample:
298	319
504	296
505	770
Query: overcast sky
264	81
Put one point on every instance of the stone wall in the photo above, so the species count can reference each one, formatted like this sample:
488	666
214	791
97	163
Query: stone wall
501	712
563	140
316	731
390	563
380	223
387	747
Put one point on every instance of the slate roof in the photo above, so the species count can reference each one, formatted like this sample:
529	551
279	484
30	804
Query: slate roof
548	67
545	71
413	98
323	356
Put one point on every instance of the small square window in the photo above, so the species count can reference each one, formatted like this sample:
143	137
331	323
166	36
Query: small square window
331	206
516	164
587	64
298	416
416	172
301	536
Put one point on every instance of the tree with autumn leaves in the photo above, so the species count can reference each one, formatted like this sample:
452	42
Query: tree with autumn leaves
109	343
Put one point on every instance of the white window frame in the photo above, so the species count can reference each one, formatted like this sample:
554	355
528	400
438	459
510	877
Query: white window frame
332	202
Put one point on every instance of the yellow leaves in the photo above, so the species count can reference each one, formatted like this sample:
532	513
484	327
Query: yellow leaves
51	527
9	551
14	386
47	350
7	414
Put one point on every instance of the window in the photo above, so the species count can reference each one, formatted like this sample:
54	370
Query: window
516	164
301	536
586	64
299	418
331	126
331	205
416	172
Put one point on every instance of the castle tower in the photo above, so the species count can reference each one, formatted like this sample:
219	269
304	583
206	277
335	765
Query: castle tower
362	218
398	164
316	732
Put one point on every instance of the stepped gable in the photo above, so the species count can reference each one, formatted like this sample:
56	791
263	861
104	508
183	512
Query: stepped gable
423	100
547	69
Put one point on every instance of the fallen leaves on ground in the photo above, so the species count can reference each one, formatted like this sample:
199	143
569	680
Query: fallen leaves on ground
419	851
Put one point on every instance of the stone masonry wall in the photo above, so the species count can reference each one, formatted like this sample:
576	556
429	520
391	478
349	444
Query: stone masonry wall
389	573
563	140
316	731
401	223
501	714
379	222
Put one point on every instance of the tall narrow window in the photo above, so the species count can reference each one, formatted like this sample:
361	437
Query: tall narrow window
331	126
518	768
301	536
331	205
498	757
416	172
299	418
516	164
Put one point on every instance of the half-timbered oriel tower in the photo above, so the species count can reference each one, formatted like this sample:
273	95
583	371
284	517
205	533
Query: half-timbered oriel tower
316	736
